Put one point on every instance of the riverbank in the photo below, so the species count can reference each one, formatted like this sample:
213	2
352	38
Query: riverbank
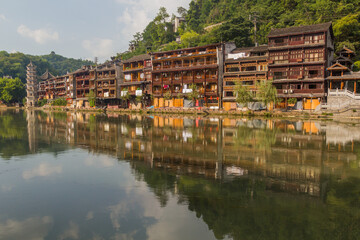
298	115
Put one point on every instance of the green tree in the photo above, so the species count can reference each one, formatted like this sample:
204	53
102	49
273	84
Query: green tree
243	94
194	94
92	98
167	95
12	90
267	93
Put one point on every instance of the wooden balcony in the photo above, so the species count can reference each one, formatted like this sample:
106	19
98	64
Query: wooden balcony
106	76
297	42
211	93
290	92
82	86
87	77
199	79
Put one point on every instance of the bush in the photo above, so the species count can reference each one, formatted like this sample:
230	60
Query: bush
59	102
42	102
292	101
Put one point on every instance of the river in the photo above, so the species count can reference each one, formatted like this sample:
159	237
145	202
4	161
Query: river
86	176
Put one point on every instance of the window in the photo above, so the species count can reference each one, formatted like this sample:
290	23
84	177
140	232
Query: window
279	57
280	75
295	55
249	69
247	83
311	39
314	55
233	69
312	86
296	38
229	83
295	72
229	94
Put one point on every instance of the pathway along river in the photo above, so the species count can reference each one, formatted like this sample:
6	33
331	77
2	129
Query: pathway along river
83	176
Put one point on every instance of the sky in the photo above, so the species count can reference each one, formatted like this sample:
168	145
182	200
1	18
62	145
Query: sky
80	29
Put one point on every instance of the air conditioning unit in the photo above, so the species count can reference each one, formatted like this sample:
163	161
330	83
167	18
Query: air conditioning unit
285	91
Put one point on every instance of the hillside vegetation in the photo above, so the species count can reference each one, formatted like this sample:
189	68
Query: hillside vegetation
237	18
14	64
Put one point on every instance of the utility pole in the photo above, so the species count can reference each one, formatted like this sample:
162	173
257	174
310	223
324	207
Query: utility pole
253	18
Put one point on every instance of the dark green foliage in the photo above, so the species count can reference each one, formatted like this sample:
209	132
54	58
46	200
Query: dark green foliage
14	64
42	102
237	18
62	65
92	98
292	101
59	102
12	90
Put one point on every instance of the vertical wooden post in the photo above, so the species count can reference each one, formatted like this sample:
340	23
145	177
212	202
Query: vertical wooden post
355	87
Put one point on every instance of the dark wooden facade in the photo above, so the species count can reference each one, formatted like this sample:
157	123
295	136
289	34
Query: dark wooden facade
298	59
174	72
106	80
245	66
137	75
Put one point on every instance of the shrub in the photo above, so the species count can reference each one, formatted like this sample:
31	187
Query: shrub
59	102
42	102
292	101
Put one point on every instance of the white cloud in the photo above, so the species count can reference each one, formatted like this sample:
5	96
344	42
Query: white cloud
102	48
40	36
43	170
101	161
140	12
2	17
90	216
35	228
6	188
71	233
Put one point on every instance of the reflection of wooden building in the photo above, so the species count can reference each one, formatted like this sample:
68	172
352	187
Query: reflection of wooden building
298	58
245	66
137	75
288	156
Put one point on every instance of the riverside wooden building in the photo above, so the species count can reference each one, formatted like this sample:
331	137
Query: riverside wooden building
137	75
175	71
245	66
298	59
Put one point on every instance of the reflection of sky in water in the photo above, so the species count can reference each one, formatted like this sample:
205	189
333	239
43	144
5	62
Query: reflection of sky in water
78	195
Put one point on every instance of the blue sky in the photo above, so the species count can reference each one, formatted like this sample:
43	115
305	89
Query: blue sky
76	28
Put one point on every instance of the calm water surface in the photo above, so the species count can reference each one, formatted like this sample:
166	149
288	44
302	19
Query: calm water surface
84	176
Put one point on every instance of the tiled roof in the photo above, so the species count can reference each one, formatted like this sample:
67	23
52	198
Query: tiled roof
138	58
46	76
348	76
300	29
262	48
247	59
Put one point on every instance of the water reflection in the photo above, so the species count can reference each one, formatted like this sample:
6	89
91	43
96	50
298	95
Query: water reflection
243	178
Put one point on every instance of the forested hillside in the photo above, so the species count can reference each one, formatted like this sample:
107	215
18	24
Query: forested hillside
237	18
14	64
